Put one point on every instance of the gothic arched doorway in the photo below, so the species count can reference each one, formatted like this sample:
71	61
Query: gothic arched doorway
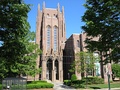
49	70
57	69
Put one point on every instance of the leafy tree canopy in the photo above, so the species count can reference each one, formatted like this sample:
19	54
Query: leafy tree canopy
116	70
102	18
85	61
17	53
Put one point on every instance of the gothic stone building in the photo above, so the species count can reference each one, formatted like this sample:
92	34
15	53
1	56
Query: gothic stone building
50	36
74	44
57	52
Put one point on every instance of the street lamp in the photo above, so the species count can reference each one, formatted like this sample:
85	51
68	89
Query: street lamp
108	74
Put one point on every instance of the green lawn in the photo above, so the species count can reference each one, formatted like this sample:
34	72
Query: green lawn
99	86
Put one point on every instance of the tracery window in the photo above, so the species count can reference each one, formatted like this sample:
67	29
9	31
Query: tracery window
55	38
48	37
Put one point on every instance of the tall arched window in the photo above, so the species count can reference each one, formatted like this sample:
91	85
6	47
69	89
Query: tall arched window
55	38
48	37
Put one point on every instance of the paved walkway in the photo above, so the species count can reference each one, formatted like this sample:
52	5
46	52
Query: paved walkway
61	86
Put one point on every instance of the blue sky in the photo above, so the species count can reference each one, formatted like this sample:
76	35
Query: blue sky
73	9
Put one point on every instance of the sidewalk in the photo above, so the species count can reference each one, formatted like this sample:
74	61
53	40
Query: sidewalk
61	86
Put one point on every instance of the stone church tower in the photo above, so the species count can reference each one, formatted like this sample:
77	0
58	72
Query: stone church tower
50	36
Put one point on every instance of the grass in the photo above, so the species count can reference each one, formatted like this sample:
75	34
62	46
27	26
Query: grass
99	86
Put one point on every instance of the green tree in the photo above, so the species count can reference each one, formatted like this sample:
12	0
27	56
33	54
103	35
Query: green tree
28	65
102	19
3	69
84	62
17	51
116	70
31	56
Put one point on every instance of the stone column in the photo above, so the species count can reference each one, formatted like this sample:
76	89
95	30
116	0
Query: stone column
53	71
61	70
44	70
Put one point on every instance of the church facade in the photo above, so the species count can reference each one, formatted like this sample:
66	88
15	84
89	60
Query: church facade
51	37
58	53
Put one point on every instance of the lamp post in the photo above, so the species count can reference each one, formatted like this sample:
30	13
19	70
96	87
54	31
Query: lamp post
108	74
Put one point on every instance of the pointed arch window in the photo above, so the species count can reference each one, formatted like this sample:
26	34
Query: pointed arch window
55	38
48	37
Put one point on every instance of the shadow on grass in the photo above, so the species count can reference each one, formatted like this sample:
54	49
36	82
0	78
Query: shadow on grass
95	87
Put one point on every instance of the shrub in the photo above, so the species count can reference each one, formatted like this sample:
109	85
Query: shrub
39	84
67	82
93	80
73	77
34	82
78	84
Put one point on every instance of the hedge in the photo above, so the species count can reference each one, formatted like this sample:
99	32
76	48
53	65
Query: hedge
81	83
34	82
67	82
39	84
93	80
36	85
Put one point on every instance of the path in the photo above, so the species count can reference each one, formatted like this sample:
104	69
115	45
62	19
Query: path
61	86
